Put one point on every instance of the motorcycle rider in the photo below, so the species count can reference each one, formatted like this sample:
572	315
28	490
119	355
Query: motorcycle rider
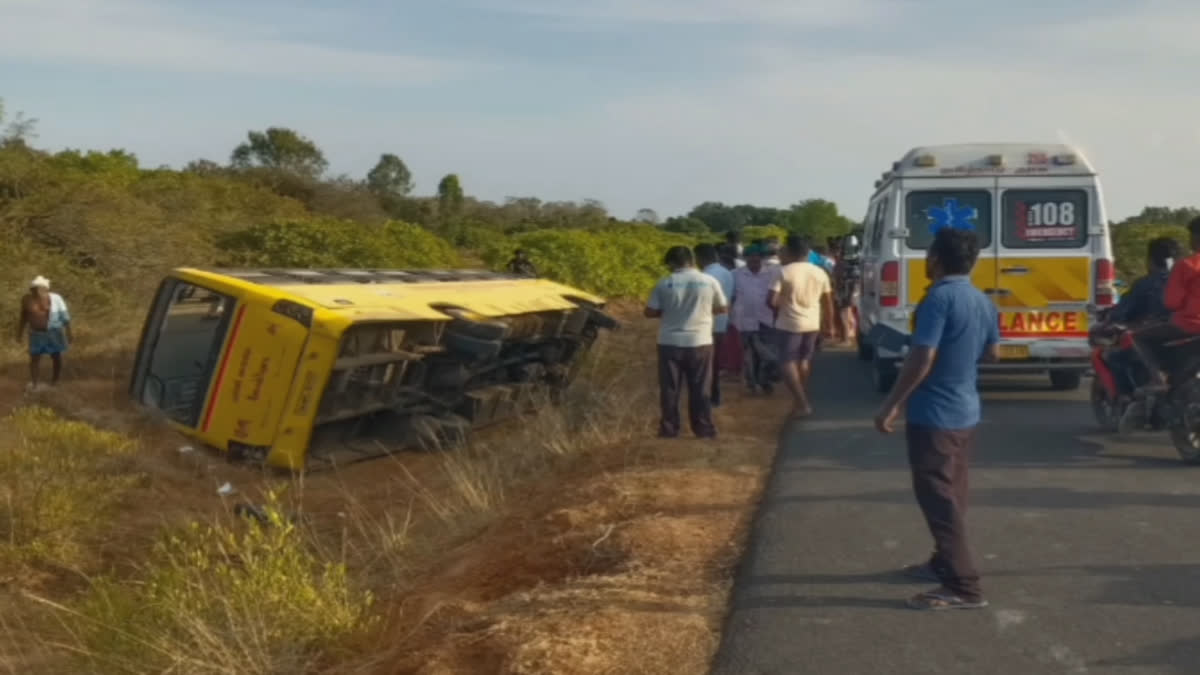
1144	301
1182	298
1142	305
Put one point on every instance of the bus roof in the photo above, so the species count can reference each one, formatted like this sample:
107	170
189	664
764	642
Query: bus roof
412	293
991	159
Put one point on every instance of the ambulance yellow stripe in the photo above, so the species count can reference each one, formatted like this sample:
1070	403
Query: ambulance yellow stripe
1049	280
983	277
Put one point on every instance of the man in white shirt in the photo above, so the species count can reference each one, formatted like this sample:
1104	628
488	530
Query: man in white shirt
800	295
686	300
753	318
706	257
48	321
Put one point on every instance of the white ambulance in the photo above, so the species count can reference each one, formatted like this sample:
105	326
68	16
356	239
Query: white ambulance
1045	252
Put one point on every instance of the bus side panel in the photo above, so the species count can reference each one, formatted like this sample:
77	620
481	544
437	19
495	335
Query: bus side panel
290	450
255	376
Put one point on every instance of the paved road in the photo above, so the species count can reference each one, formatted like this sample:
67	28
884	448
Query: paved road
1089	546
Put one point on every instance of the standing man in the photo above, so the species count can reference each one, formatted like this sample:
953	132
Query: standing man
733	238
801	294
846	285
49	323
706	256
956	328
729	355
521	264
753	319
686	301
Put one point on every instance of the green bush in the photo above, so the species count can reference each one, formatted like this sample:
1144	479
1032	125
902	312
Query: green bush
336	243
1129	246
245	597
59	482
753	232
622	261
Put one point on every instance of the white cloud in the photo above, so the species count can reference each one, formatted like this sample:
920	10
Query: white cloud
815	13
1147	32
141	34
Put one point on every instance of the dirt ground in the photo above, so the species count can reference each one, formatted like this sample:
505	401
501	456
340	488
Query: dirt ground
616	559
615	568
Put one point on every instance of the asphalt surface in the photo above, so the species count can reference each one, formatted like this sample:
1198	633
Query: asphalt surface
1089	546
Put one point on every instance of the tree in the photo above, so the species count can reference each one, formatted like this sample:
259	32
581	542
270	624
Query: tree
649	216
817	219
204	167
20	129
390	177
450	195
723	218
687	225
282	150
1163	215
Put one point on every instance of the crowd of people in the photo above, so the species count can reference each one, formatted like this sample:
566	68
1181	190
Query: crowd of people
761	311
781	311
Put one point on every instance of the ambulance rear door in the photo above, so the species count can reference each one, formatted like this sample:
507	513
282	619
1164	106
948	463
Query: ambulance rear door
1047	231
930	204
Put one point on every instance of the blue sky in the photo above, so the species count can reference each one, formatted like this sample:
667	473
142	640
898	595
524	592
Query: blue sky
637	103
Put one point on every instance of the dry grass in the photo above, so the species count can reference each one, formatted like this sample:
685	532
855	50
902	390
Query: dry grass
569	542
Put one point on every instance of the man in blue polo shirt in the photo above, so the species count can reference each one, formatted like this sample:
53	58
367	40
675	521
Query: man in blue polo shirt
956	328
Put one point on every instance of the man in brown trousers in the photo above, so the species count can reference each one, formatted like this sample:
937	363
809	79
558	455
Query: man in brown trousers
956	328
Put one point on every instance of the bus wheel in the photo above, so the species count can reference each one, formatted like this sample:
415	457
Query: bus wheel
1065	380
883	374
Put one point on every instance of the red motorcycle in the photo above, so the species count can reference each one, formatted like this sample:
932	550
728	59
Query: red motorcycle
1119	377
1120	383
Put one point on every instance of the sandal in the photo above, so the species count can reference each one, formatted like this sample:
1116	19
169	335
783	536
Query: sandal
941	599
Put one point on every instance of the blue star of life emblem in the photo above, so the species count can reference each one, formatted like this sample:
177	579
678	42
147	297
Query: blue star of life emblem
950	214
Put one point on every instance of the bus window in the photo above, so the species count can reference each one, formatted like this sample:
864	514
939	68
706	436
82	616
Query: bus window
181	349
926	211
1044	218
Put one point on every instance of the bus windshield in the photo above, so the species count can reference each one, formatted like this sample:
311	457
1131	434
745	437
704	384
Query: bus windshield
180	347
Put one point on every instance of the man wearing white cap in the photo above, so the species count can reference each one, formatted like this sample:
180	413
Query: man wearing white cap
49	323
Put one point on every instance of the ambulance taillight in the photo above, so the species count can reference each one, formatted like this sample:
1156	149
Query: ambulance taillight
889	284
1106	278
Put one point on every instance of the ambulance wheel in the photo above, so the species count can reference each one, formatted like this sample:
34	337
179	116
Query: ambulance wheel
1065	380
883	375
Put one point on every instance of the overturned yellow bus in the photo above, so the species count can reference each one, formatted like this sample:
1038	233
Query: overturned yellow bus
252	362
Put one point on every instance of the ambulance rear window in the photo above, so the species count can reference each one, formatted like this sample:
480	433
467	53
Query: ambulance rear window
1044	218
928	211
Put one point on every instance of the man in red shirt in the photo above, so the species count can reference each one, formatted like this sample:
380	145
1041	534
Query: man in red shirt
1182	299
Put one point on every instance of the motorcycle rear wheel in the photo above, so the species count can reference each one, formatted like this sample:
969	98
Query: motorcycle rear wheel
1185	421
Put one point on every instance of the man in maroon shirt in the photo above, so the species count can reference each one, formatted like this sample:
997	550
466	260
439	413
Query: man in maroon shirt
1182	299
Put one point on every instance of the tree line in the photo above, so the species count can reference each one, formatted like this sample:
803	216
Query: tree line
105	224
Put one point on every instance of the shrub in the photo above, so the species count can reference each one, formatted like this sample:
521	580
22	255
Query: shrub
336	243
248	597
59	482
753	232
623	261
